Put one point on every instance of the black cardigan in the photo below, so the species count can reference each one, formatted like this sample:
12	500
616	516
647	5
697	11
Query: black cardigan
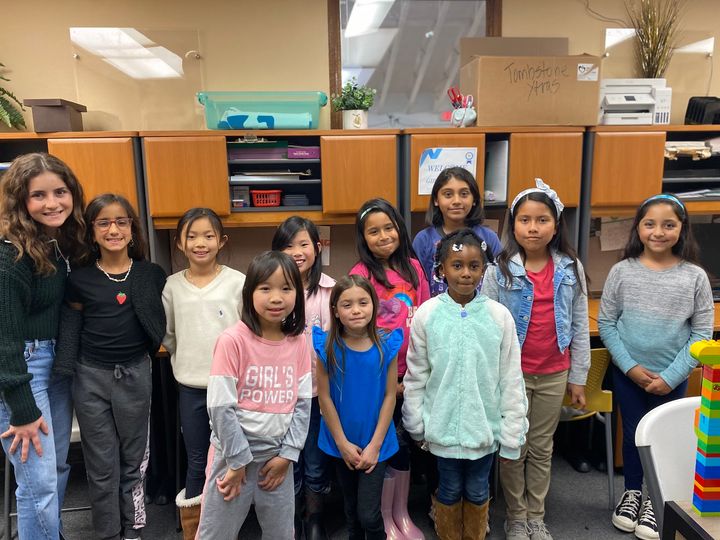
146	289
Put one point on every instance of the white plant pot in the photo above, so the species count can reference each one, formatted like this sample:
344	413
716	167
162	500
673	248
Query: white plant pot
355	119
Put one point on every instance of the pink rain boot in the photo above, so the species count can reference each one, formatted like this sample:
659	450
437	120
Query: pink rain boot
399	511
386	509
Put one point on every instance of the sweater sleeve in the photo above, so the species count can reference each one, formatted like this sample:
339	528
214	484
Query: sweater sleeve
701	327
222	402
294	438
67	348
608	316
513	400
14	376
424	252
580	344
169	341
416	377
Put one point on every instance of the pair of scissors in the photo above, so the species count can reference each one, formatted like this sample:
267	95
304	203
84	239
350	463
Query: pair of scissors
456	98
467	102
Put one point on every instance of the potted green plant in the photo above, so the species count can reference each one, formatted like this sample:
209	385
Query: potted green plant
354	100
656	25
10	115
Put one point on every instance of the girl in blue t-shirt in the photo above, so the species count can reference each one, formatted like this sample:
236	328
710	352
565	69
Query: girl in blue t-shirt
455	203
357	379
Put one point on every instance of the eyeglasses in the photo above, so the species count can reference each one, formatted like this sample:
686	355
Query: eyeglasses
120	223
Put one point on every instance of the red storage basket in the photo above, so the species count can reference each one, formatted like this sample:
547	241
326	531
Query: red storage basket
266	197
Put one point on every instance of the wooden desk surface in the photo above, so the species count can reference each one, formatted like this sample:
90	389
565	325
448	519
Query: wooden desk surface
594	307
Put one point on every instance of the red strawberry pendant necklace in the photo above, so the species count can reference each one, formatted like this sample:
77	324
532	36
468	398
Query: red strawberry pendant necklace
120	296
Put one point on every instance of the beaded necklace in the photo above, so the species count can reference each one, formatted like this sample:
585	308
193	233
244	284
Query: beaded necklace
116	280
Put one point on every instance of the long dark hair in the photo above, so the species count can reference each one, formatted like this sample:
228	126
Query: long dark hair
558	243
433	215
137	248
337	328
191	216
466	237
686	248
16	225
285	233
260	269
400	260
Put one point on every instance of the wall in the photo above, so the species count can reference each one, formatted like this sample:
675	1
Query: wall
245	45
688	75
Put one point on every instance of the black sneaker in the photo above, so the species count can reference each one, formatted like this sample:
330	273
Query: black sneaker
625	516
647	528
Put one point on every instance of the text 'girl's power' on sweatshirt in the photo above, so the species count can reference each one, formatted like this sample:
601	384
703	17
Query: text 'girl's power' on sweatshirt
259	396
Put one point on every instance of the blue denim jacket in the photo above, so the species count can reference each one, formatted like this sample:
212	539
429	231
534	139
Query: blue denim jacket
570	301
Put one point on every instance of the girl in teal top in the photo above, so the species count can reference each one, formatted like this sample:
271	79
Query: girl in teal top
357	378
464	391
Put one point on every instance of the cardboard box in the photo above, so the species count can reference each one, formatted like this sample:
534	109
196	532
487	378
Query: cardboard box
55	115
533	90
512	46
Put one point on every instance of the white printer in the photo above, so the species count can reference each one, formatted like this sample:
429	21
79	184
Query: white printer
634	102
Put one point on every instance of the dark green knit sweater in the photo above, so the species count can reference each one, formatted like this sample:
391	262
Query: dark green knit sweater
29	309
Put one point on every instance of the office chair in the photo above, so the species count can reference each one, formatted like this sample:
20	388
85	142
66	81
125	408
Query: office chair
598	402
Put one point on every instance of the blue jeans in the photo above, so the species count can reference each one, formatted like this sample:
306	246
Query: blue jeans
467	479
311	469
38	480
635	403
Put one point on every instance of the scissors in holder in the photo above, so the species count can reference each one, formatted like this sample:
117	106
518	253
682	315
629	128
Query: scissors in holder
467	101
456	98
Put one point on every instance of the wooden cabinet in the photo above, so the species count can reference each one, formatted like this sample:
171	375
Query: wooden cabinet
101	165
420	142
554	157
627	168
184	172
356	168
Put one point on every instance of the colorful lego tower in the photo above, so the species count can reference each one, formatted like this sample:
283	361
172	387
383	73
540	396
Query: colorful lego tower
706	493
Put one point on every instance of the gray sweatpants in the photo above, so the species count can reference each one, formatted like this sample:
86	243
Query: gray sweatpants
222	520
113	409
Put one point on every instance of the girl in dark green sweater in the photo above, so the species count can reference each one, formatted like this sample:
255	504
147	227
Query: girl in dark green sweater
41	231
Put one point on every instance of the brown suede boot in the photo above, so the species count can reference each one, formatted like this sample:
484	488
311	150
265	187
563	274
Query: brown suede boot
475	520
448	520
189	514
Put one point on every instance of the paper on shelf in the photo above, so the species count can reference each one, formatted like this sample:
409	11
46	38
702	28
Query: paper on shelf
614	233
434	160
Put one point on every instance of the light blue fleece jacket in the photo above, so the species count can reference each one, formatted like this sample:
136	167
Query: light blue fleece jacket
464	389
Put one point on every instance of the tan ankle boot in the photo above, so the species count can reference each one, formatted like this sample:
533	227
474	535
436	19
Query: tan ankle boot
448	520
189	514
474	520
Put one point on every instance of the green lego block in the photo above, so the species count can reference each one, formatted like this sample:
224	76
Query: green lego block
710	413
710	404
708	448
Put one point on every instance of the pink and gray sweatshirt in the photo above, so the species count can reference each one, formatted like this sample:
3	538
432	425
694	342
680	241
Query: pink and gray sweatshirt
259	396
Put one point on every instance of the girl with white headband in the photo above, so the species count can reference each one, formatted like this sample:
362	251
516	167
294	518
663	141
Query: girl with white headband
539	278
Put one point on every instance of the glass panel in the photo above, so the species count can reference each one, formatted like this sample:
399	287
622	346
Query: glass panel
409	50
134	79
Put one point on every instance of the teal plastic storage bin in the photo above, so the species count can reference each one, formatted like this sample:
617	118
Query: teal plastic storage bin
262	110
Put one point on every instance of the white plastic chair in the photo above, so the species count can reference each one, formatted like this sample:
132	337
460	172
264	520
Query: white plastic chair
666	440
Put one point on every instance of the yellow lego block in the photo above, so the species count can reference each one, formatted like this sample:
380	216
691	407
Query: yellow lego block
707	352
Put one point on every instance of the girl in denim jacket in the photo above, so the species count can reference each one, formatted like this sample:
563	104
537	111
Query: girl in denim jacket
540	280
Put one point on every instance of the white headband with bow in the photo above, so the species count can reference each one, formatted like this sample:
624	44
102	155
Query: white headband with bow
541	187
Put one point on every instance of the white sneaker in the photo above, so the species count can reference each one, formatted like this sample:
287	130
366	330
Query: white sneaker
625	516
538	530
516	529
647	527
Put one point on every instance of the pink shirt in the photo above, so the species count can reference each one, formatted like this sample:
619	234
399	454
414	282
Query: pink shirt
261	380
540	352
317	313
398	305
